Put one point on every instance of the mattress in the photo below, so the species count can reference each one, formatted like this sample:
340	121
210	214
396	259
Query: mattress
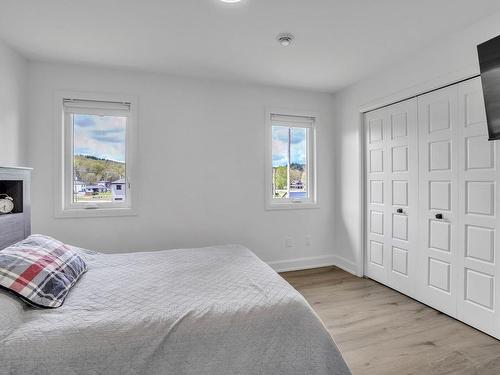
215	310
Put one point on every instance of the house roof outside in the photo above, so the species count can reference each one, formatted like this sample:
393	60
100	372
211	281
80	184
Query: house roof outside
95	187
120	181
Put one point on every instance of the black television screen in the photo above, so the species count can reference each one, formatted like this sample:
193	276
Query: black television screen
489	63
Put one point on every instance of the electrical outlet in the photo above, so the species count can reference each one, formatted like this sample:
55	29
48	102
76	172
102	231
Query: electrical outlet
289	242
307	240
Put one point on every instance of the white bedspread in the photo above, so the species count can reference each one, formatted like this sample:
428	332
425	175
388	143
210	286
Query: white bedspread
211	311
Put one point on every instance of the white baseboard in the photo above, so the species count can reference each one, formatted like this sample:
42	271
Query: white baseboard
346	265
313	262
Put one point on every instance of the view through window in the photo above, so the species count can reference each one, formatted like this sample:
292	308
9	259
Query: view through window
99	169
289	162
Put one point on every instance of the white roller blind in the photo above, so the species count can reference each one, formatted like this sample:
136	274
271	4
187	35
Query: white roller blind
292	121
79	104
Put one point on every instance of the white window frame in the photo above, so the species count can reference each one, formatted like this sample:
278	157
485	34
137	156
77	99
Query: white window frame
102	104
297	118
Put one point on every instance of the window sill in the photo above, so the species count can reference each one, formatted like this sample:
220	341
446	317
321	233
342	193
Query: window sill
95	212
291	206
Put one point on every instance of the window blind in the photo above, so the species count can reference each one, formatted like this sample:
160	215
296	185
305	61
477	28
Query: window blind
292	121
76	104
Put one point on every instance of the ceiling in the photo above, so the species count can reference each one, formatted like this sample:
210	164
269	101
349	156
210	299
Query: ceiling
338	42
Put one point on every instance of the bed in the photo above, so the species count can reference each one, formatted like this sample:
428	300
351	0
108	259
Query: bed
215	310
212	311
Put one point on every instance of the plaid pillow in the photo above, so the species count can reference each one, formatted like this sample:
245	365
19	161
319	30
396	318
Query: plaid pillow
40	270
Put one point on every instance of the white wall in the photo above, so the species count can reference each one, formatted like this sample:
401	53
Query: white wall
447	60
201	175
13	73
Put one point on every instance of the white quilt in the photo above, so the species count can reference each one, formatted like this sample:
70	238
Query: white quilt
211	311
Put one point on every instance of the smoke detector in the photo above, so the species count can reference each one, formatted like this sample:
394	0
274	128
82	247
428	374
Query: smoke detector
285	39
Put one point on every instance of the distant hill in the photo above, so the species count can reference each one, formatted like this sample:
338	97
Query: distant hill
91	169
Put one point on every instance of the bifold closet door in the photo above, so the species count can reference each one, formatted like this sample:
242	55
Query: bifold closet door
459	205
478	242
433	203
438	199
391	195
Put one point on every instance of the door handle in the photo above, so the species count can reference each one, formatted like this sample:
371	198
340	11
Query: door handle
399	210
439	216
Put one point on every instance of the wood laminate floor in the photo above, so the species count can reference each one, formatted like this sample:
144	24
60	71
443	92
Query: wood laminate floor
380	331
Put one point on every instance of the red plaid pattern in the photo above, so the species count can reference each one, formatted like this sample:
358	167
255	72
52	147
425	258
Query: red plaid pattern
40	270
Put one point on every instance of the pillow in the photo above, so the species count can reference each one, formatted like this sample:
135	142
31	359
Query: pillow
40	270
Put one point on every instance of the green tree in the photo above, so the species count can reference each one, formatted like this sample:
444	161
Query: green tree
280	177
91	170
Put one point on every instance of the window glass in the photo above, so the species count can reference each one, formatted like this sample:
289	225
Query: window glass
298	163
289	162
98	156
280	161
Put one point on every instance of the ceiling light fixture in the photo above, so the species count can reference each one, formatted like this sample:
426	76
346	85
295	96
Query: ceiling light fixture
230	1
285	39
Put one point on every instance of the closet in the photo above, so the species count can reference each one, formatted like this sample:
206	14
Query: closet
432	201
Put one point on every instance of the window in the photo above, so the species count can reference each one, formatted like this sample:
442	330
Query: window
96	163
291	163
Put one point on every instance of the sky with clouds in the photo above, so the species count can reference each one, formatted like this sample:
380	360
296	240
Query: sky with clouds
100	136
280	145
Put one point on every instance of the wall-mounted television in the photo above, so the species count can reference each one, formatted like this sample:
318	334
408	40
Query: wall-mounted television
489	63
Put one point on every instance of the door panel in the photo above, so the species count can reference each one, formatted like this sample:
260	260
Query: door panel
440	195
479	288
439	275
403	188
480	197
439	235
477	266
400	261
479	154
399	125
377	223
437	114
480	243
400	159
376	159
377	253
400	227
400	193
377	192
440	156
376	130
392	175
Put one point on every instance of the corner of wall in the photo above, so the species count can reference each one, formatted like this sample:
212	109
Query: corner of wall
13	111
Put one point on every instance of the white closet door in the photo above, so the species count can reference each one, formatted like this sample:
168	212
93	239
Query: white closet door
402	192
433	203
392	175
438	165
477	264
377	162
